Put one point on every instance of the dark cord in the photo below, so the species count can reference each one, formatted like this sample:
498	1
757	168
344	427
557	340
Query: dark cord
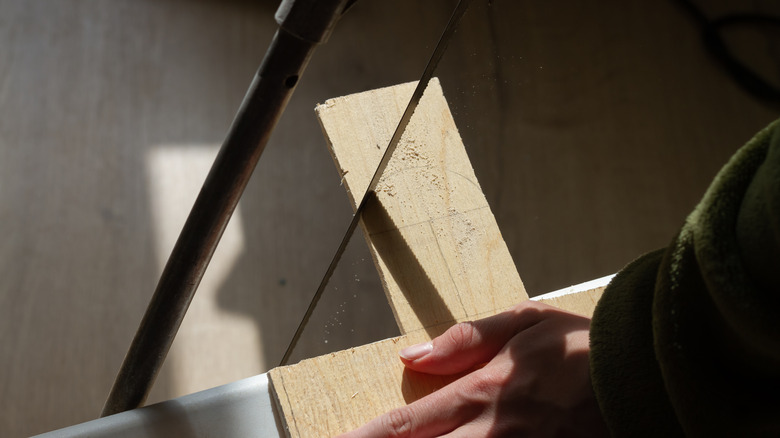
712	35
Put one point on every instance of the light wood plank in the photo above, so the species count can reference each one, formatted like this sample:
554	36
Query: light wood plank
433	238
581	298
338	392
434	241
582	303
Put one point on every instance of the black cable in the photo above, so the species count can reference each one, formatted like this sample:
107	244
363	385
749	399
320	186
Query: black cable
712	36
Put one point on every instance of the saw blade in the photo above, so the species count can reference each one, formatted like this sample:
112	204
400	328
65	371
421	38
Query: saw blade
422	84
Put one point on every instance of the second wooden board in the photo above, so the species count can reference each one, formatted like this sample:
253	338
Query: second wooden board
434	240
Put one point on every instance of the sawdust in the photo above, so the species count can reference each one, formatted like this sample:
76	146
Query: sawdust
433	182
328	104
343	175
413	153
463	230
466	240
387	184
409	156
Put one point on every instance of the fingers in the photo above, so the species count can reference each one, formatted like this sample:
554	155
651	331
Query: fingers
436	414
467	345
419	419
524	351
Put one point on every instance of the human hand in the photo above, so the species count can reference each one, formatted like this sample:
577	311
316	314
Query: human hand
529	377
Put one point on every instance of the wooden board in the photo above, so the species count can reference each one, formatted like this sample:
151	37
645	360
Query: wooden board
433	238
435	244
581	298
338	392
582	303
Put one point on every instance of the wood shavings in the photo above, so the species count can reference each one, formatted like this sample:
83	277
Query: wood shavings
412	152
386	187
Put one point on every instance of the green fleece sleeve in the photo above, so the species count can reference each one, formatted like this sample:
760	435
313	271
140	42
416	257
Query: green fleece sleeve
686	340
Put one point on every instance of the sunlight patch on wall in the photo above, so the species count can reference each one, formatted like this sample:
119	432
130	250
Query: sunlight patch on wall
212	347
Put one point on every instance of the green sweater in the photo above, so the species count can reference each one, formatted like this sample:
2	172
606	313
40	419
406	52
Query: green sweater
686	340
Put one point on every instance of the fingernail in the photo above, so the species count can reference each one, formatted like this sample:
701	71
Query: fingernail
416	351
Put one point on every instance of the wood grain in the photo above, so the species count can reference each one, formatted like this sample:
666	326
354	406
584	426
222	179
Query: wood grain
433	238
338	392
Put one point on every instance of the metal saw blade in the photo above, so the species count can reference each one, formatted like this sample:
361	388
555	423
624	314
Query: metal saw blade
422	84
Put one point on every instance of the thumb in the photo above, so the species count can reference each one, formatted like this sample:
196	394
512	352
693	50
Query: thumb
469	344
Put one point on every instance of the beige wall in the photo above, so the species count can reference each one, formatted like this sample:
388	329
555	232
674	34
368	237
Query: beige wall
593	128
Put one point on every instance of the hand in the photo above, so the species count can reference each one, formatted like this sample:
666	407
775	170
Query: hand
530	377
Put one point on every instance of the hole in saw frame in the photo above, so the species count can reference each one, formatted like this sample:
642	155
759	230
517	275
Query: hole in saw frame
291	81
